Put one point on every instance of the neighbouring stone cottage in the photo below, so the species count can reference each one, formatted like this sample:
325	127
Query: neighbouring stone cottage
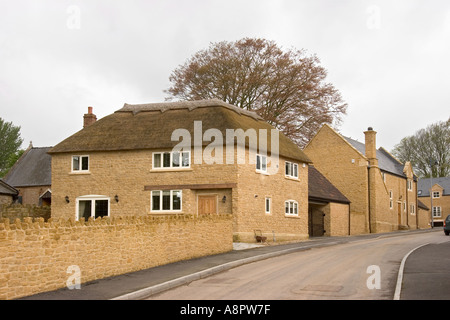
439	202
382	190
31	176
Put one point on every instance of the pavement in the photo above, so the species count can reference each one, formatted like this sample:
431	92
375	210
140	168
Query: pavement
141	284
426	275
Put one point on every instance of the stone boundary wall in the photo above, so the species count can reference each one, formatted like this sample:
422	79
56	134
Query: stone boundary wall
38	256
20	211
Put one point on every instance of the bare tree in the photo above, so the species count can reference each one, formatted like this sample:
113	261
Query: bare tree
428	150
286	88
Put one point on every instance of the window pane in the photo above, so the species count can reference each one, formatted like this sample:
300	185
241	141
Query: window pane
156	198
157	160
291	208
295	208
175	159
295	170
176	200
84	163
84	209
101	208
185	159
286	207
166	200
76	163
267	204
258	162
287	171
264	163
166	160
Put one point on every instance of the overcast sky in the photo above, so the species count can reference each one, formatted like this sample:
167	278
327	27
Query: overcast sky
389	59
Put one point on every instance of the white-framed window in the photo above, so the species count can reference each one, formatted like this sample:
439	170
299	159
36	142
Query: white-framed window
291	208
291	170
92	206
171	160
437	212
410	185
166	201
80	163
412	208
268	205
391	201
261	163
436	194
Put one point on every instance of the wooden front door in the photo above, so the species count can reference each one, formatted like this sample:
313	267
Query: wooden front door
207	204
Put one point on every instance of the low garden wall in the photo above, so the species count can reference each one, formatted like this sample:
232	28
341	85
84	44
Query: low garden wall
38	256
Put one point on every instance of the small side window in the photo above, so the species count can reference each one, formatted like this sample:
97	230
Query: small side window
80	163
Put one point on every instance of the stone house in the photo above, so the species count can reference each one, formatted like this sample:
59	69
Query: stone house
31	176
196	158
440	191
382	191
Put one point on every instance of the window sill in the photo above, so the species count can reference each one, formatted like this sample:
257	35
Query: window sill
79	172
171	170
161	213
291	216
291	178
262	172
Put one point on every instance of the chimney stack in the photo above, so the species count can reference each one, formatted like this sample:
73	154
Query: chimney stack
89	118
371	143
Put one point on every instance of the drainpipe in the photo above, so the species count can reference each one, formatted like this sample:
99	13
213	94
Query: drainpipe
368	194
349	215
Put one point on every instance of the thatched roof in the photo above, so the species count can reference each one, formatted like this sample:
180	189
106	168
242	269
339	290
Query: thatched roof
150	126
34	168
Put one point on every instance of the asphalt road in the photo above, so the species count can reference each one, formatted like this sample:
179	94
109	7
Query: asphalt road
427	273
362	270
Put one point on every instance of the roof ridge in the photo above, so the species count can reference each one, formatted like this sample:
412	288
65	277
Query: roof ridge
184	104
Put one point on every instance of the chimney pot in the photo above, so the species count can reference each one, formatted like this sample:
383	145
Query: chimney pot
89	118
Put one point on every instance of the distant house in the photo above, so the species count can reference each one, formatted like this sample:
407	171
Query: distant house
127	163
31	176
382	190
7	193
329	209
440	191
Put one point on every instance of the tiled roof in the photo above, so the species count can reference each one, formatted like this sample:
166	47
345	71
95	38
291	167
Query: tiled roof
423	186
319	188
386	161
7	189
